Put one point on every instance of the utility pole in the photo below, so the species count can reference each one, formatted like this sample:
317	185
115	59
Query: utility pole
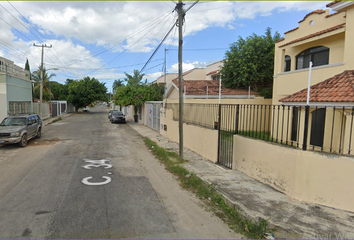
41	87
181	14
165	86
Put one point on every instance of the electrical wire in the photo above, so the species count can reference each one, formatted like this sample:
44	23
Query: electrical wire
158	47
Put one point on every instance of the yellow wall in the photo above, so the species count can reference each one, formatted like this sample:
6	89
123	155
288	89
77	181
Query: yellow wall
169	77
195	74
200	140
340	54
213	67
304	175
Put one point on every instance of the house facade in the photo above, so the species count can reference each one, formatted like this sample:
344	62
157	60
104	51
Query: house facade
15	89
323	38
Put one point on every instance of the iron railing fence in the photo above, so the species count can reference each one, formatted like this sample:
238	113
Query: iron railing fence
326	129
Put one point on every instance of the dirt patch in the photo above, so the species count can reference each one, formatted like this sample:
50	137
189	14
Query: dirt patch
41	142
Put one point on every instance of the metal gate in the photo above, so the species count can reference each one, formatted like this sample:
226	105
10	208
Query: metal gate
228	127
153	115
54	109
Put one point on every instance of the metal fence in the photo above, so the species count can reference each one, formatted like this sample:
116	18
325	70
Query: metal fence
326	129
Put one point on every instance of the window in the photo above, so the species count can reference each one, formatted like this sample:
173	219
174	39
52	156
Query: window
216	77
287	63
318	55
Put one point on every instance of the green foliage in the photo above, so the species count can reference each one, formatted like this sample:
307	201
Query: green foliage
229	214
86	91
117	84
136	95
134	79
58	90
36	76
250	62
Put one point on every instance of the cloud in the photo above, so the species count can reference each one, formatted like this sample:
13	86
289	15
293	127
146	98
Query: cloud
76	27
187	66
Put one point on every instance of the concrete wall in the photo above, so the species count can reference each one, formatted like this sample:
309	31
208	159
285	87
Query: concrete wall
169	77
213	67
201	140
3	97
307	176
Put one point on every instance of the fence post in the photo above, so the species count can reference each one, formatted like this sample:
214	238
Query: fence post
237	116
306	126
219	128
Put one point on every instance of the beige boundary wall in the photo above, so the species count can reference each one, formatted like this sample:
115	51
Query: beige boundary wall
307	176
201	140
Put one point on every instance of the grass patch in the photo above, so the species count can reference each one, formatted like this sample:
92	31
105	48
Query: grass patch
230	215
258	135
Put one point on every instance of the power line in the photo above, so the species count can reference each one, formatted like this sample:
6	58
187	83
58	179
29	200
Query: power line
158	47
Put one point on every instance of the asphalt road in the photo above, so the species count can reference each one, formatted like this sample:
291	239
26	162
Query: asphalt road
88	178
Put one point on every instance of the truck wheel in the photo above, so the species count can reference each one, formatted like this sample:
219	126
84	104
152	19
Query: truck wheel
23	142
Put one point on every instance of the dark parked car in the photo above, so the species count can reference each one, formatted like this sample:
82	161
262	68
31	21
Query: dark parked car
20	128
110	113
117	116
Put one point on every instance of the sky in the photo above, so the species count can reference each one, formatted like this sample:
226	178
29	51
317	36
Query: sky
105	39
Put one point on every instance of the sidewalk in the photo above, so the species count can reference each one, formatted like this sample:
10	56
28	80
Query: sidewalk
291	218
50	120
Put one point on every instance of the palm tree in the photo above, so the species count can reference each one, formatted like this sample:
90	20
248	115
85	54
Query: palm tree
135	79
36	76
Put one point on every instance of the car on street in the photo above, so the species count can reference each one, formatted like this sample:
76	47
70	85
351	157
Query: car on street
20	128
117	116
86	109
110	113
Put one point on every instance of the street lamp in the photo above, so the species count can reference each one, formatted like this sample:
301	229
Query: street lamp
50	97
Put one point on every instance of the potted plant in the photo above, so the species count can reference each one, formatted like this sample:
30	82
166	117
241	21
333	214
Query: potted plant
136	114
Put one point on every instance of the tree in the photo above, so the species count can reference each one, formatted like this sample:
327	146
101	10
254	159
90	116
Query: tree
136	95
36	76
86	91
135	79
116	84
250	62
58	90
27	67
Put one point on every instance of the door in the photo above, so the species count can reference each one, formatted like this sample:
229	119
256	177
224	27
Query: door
228	127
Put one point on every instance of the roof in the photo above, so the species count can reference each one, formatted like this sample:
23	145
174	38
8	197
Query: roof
315	34
318	11
199	87
339	88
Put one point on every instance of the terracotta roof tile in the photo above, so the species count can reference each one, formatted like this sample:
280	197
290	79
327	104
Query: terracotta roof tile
339	88
318	11
199	87
291	30
315	34
282	39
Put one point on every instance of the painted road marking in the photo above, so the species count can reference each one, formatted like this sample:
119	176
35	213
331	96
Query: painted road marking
86	182
96	163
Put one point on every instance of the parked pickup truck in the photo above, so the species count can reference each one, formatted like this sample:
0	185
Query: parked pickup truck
19	129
